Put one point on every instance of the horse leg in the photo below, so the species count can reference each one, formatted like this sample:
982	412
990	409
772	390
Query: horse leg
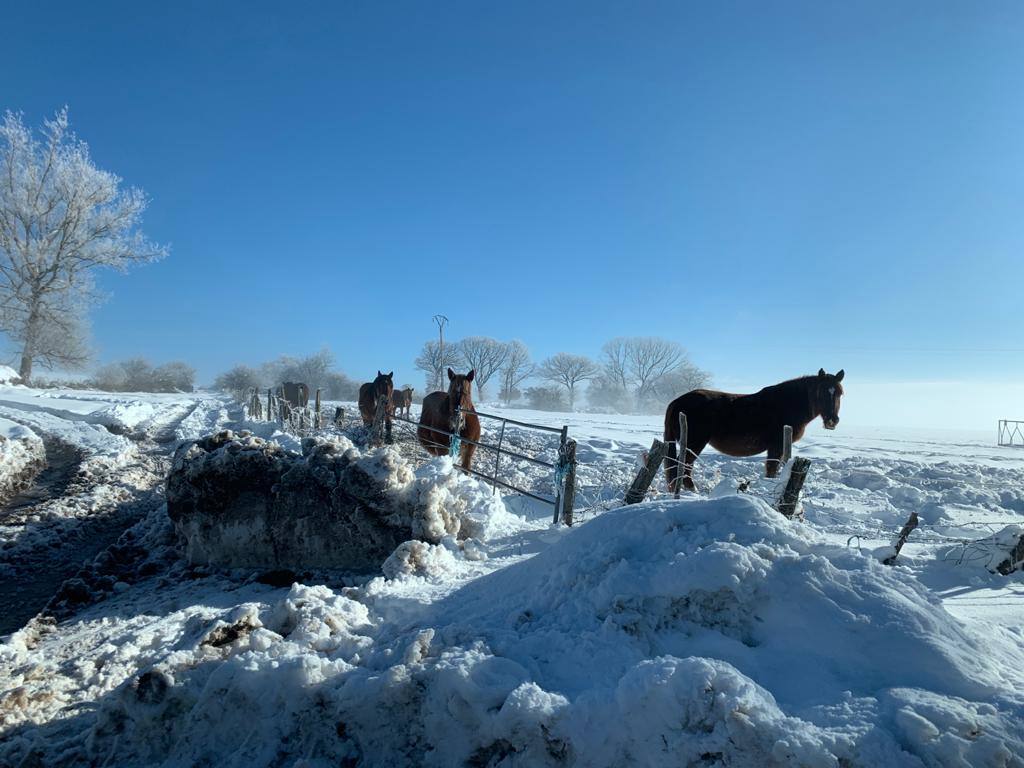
468	449
693	450
774	461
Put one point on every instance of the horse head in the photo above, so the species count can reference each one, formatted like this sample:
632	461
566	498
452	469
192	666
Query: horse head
384	385
460	395
827	393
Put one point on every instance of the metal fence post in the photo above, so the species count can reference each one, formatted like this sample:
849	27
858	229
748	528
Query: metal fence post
497	458
569	494
558	469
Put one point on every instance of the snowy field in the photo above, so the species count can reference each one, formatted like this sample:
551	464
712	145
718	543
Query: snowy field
704	631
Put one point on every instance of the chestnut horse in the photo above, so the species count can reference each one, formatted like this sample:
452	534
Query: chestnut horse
746	425
451	412
401	400
370	392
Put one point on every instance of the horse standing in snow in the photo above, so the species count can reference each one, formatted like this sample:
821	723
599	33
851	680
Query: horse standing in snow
370	392
452	412
401	401
746	425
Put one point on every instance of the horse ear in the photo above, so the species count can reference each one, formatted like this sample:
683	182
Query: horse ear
379	373
451	374
470	375
839	376
391	375
821	371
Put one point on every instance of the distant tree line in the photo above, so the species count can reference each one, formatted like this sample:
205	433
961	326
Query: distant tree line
317	371
634	374
133	375
139	375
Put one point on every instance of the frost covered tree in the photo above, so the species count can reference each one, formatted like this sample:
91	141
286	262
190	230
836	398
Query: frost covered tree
433	362
546	398
516	369
338	386
61	218
484	355
311	370
238	382
175	376
138	375
568	370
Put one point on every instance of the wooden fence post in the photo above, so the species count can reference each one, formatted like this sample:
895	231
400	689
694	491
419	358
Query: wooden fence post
318	421
339	417
645	477
569	494
901	539
787	444
791	496
681	452
1014	561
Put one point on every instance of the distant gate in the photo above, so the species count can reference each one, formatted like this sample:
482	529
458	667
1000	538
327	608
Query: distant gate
1011	433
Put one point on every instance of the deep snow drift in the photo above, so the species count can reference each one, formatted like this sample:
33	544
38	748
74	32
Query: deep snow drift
671	633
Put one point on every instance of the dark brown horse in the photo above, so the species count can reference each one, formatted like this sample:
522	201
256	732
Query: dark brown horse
451	412
370	392
746	425
401	401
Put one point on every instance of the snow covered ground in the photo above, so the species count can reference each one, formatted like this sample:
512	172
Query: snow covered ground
703	631
21	456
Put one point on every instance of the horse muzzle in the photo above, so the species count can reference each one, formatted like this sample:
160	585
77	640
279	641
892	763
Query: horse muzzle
830	423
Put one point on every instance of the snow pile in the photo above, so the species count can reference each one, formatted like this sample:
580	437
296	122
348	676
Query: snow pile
22	455
8	375
672	633
241	501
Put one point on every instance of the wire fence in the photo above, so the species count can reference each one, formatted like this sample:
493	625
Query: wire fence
572	500
563	469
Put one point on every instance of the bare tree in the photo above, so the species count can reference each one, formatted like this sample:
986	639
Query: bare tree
433	363
61	218
615	364
645	366
516	370
649	359
568	371
484	355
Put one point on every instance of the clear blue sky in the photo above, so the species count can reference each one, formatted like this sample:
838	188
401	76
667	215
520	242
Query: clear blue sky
777	186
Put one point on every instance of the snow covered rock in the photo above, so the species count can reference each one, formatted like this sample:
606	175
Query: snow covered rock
241	501
22	456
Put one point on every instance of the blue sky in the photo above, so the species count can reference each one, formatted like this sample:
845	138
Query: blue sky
776	186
